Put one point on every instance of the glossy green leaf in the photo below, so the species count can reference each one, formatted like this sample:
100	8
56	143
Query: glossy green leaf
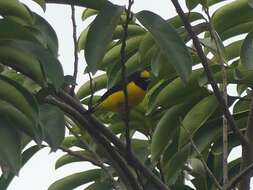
247	52
96	44
53	125
72	181
196	117
169	42
10	145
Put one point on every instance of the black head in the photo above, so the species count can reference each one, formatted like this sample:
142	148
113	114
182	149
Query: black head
141	78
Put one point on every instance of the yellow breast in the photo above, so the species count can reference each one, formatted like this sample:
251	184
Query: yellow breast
115	102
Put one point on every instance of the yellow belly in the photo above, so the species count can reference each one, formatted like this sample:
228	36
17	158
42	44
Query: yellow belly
115	102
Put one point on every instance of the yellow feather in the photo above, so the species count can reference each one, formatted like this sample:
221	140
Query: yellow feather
115	102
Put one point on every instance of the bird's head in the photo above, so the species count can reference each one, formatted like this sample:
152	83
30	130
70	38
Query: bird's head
142	78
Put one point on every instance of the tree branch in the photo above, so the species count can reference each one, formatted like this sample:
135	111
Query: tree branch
123	75
73	19
211	80
123	170
97	127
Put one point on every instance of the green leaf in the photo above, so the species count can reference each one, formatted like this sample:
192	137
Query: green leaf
239	10
100	186
15	8
10	145
88	13
165	130
169	42
47	32
175	164
100	35
247	52
22	61
98	82
50	64
176	91
196	117
72	181
12	30
191	4
67	159
15	94
53	125
20	121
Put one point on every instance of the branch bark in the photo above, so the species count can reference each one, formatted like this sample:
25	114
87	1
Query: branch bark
209	75
97	127
117	161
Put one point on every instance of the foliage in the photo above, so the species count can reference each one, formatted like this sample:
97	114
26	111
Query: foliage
179	107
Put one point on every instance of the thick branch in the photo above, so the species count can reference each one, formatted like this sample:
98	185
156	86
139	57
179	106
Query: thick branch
123	171
211	80
95	125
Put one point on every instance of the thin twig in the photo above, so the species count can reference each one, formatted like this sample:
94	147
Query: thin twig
90	104
123	74
209	75
73	19
210	173
241	175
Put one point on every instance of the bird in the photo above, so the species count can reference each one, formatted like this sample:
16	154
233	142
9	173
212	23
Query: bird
114	98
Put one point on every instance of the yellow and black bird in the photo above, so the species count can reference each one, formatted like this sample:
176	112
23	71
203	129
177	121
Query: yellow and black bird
114	98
